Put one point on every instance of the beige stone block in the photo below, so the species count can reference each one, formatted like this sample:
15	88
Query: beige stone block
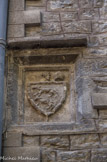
74	156
30	141
55	142
99	100
13	140
26	154
48	156
84	141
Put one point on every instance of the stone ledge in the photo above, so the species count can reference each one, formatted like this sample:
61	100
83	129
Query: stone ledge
55	128
38	42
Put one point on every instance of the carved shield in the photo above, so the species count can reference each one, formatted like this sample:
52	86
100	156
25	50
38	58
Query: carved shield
47	97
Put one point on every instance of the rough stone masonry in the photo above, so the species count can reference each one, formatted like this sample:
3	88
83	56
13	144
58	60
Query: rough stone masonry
56	81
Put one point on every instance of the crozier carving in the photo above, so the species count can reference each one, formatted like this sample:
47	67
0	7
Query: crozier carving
47	97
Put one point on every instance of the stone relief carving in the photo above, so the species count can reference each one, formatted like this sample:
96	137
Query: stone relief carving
47	97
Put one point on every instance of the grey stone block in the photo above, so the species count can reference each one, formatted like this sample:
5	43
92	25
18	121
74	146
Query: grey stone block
99	100
31	17
27	154
13	139
99	155
17	5
16	31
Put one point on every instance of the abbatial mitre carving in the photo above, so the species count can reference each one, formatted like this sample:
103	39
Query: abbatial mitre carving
47	97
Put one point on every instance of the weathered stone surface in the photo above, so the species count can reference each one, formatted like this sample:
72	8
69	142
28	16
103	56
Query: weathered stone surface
103	12
77	27
32	31
68	16
16	31
99	155
103	114
74	156
103	138
29	141
98	3
55	142
59	5
32	4
27	154
99	100
84	141
51	28
16	5
50	17
95	52
16	17
100	27
102	125
89	14
12	139
84	88
48	156
85	3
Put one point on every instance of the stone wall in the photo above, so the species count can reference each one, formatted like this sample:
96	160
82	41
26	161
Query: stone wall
56	81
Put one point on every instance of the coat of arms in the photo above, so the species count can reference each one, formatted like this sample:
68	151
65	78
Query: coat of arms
47	97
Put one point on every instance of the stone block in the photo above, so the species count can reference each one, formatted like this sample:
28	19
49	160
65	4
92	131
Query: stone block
32	4
16	17
31	17
59	5
55	142
29	141
27	154
74	156
103	138
84	141
50	17
16	5
99	100
51	28
48	156
103	114
77	27
99	155
69	16
102	125
89	14
98	40
100	27
103	12
13	139
84	88
98	3
85	4
16	31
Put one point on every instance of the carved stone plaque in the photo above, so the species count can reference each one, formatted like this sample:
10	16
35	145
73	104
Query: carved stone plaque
47	97
47	94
